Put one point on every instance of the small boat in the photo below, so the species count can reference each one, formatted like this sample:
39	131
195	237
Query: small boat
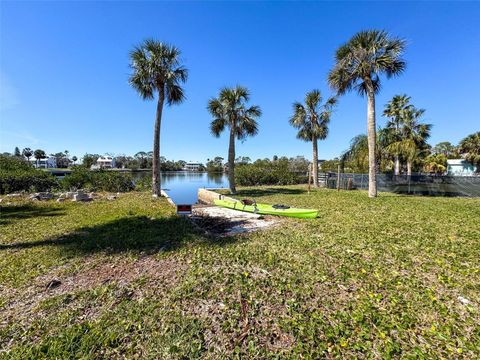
265	209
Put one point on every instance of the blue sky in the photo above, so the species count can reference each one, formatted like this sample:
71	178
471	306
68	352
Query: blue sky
64	70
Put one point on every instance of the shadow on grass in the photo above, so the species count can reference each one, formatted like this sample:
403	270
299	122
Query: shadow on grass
137	234
269	191
12	213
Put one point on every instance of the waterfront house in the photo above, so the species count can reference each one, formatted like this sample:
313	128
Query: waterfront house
460	167
104	162
46	163
192	166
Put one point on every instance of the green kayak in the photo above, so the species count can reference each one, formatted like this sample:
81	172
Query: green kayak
265	209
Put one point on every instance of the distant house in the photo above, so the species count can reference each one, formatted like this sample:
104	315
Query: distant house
104	162
460	167
192	166
47	163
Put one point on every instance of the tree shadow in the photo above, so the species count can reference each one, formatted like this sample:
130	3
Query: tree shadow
12	213
132	234
268	192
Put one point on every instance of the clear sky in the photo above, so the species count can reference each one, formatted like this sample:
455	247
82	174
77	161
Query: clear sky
64	70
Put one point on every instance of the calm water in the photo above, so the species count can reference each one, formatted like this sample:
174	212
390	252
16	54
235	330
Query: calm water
182	186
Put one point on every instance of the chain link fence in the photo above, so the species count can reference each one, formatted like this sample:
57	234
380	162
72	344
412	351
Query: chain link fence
416	184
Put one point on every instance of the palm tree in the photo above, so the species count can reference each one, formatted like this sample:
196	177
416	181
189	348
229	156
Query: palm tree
395	110
470	148
312	120
357	154
230	110
359	64
413	135
157	69
27	152
39	154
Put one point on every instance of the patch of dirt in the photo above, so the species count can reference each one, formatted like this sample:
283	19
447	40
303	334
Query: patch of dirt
161	274
218	221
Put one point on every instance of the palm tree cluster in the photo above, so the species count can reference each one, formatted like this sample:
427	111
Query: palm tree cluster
404	137
360	64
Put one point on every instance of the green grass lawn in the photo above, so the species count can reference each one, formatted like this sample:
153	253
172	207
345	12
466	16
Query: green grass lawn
395	276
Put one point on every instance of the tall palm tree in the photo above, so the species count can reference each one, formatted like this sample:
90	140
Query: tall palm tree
312	120
395	111
359	64
157	69
230	110
413	135
470	148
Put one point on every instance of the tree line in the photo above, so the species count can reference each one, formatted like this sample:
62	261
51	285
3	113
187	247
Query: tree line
62	159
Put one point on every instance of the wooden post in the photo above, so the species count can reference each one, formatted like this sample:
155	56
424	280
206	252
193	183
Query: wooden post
338	178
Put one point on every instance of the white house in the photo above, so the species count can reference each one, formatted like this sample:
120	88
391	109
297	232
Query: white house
460	167
47	163
191	166
104	162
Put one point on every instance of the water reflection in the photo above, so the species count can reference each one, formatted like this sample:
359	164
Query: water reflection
182	186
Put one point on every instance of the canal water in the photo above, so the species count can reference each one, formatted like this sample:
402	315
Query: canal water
182	186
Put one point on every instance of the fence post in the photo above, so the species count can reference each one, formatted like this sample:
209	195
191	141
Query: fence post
338	178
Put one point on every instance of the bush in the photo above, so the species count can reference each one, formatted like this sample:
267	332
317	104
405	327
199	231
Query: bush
266	172
98	180
144	183
26	180
10	163
17	174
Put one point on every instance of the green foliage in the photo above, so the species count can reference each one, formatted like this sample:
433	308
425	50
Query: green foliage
156	67
89	159
16	174
26	180
360	62
266	172
97	180
39	154
470	148
435	163
386	279
144	183
215	165
312	119
10	163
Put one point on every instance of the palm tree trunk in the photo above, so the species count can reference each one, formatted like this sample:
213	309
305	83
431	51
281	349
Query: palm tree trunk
372	138
231	162
315	161
156	146
397	165
409	168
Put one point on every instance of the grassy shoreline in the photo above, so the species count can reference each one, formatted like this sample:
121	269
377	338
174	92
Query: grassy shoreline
388	277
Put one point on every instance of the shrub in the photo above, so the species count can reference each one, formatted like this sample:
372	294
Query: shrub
10	163
266	172
98	180
26	180
16	174
144	183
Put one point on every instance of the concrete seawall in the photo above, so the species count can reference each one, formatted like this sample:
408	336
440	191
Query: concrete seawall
208	196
